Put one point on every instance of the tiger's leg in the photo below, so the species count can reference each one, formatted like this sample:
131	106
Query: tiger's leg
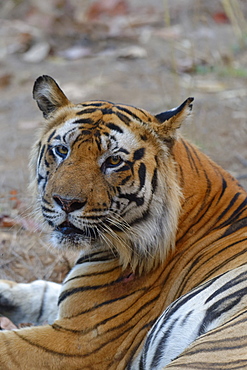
201	310
222	348
34	303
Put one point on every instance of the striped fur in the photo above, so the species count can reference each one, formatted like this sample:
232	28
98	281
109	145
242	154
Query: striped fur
222	348
206	307
153	218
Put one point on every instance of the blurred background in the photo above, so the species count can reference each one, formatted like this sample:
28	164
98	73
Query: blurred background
148	53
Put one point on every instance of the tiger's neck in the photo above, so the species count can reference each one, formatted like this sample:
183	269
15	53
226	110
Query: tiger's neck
212	198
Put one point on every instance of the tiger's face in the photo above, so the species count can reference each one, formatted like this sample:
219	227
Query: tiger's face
105	176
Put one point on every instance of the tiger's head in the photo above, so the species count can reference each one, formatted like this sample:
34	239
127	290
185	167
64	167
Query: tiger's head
105	177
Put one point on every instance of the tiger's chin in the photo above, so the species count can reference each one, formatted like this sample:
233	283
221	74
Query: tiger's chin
67	236
72	242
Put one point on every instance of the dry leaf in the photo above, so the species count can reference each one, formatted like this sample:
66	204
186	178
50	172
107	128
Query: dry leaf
5	80
107	7
6	221
220	17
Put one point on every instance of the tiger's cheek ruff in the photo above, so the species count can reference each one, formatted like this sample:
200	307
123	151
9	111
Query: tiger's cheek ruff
152	214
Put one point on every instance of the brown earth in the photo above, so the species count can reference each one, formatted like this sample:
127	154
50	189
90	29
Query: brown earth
150	54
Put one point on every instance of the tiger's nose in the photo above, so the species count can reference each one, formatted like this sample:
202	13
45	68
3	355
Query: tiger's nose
69	205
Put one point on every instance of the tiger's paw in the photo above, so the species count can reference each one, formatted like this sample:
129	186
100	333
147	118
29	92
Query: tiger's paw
35	303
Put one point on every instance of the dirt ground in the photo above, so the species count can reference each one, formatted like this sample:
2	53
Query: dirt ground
150	54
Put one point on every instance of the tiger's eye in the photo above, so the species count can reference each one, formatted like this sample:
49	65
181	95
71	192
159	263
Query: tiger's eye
61	151
112	161
115	160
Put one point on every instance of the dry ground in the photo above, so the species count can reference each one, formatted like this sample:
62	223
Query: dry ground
192	50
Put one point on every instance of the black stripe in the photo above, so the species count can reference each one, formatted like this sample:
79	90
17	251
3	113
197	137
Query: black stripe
233	322
219	308
125	180
226	261
143	137
190	157
145	114
186	317
123	118
82	276
50	152
213	271
106	303
145	215
44	209
84	121
138	154
41	154
91	104
41	310
235	227
67	293
85	132
227	209
206	365
154	181
125	167
195	152
51	135
106	110
142	175
237	212
114	127
45	201
121	325
47	164
133	198
133	352
174	307
123	109
122	150
204	208
224	186
162	344
40	178
233	282
67	135
218	345
45	349
88	257
87	111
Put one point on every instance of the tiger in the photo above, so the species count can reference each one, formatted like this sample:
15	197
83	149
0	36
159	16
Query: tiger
152	218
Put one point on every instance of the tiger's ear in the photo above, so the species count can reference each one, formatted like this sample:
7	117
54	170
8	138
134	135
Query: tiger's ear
168	122
48	95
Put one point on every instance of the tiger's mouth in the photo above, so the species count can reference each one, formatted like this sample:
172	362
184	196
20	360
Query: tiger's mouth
68	229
